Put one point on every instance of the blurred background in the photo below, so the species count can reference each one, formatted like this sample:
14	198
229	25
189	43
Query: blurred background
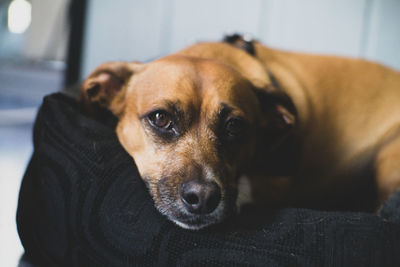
51	45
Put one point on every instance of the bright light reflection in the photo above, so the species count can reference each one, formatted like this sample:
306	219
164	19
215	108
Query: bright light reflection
19	16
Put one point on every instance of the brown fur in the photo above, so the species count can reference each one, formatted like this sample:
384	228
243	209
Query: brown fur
329	120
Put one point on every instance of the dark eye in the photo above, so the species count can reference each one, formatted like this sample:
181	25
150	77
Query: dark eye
235	128
161	120
162	123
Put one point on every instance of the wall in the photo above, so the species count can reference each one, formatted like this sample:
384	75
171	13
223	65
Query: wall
47	36
144	30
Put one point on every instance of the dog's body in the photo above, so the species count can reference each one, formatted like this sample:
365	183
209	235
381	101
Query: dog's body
196	121
348	120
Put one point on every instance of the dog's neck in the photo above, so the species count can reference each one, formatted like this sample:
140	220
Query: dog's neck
278	156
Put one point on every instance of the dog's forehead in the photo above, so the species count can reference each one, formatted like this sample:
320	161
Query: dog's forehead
178	71
190	80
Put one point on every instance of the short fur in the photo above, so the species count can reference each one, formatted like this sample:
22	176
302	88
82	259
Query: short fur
322	125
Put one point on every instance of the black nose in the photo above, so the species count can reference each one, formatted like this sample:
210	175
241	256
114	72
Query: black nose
200	197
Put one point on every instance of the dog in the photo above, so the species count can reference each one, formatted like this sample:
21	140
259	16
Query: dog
290	128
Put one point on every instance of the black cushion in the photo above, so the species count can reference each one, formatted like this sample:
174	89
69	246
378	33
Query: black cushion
82	203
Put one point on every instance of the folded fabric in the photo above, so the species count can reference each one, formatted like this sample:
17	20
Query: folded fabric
82	203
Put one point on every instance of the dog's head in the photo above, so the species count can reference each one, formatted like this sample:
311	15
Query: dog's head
190	125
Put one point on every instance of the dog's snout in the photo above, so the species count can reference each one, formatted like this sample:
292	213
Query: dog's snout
200	197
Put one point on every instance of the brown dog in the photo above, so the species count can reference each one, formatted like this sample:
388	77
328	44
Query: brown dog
196	121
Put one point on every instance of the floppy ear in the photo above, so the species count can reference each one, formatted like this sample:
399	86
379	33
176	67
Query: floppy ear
276	138
278	111
106	86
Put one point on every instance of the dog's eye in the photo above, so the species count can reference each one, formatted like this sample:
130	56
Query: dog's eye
160	119
163	124
235	128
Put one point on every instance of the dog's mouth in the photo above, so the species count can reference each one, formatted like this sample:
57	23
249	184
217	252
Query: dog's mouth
195	221
194	204
177	212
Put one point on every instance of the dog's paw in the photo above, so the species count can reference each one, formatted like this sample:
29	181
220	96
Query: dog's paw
244	193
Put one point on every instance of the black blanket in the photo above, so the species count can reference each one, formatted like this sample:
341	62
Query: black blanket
82	203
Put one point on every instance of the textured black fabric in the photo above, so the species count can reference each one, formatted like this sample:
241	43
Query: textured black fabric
82	203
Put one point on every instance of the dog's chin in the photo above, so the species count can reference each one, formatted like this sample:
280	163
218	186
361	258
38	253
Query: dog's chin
194	225
197	222
191	221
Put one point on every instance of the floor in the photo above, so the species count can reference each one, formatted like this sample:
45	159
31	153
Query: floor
22	88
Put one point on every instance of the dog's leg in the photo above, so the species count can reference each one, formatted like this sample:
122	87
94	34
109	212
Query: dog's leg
387	167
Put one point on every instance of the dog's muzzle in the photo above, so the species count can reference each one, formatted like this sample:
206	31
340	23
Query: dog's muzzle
196	203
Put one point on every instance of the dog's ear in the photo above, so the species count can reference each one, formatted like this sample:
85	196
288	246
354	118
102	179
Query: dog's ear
278	111
106	86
